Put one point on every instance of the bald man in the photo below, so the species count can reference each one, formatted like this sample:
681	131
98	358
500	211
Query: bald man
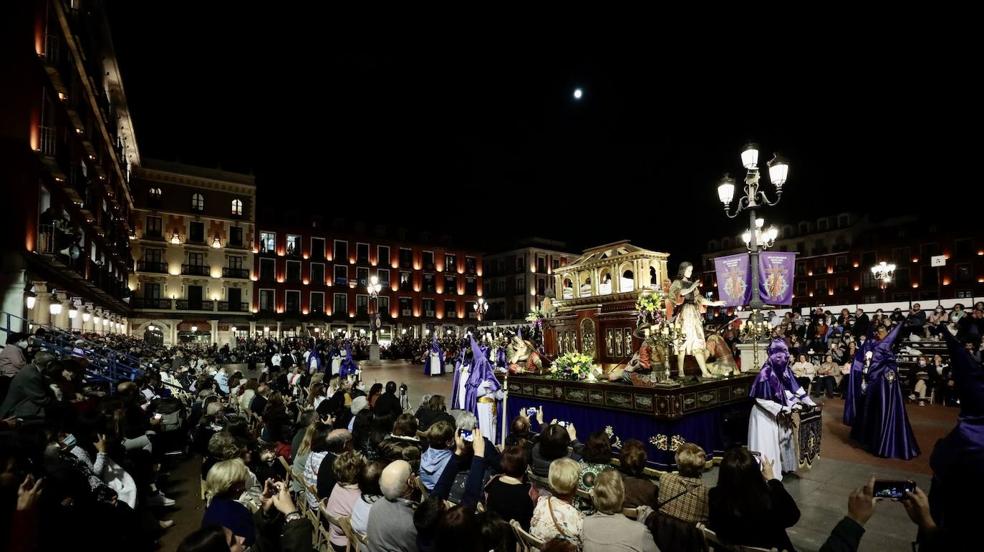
390	527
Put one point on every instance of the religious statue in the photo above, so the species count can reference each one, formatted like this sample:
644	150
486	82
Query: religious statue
522	357
685	296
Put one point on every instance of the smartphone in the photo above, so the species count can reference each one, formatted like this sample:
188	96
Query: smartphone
563	423
531	411
757	455
157	416
893	489
467	435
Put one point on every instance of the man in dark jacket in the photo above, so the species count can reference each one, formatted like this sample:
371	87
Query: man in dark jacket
28	394
388	404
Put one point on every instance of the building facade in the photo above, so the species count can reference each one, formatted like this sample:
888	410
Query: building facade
193	249
518	279
835	255
310	279
66	148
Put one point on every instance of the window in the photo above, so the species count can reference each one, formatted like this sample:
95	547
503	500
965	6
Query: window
317	248
929	250
266	300
900	256
317	301
555	263
362	275
153	255
842	221
293	301
293	271
821	286
362	253
154	193
341	275
406	258
317	274
842	285
963	248
841	262
384	277
450	309
541	264
450	283
384	305
471	265
471	286
962	272
804	228
341	251
521	264
235	236
293	245
429	285
196	232
383	255
819	247
153	228
235	261
406	283
197	202
520	309
340	307
406	306
429	306
823	225
450	262
237	207
152	291
801	288
196	259
268	242
428	260
267	269
520	285
362	305
541	286
902	278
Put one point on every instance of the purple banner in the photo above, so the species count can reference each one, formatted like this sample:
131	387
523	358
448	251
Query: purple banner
734	279
776	271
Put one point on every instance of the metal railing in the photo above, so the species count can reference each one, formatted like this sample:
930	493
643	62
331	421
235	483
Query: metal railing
152	266
235	272
195	270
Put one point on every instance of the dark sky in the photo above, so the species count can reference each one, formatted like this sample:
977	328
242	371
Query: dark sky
446	128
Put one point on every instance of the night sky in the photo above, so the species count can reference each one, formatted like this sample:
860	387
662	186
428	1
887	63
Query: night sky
480	137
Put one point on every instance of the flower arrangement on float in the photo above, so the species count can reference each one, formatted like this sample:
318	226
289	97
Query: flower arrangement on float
574	366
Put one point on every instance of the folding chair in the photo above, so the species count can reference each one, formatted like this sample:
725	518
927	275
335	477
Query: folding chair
525	542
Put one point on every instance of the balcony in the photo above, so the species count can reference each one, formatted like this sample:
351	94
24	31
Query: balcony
236	245
193	304
150	303
231	306
154	235
230	272
158	267
195	270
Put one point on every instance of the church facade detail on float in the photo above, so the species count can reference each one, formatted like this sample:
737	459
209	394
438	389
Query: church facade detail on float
594	312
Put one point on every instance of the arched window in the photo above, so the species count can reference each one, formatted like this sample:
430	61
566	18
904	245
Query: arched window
585	278
605	282
154	193
568	289
237	207
197	202
627	282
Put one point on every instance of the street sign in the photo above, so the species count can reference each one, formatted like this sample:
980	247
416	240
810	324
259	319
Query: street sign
938	260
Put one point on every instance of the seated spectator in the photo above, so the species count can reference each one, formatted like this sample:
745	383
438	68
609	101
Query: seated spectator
398	444
509	494
749	506
390	525
596	458
463	530
388	404
319	451
684	495
923	383
555	516
826	380
804	371
609	529
369	493
440	440
639	489
343	496
339	441
427	520
27	396
433	409
554	443
521	430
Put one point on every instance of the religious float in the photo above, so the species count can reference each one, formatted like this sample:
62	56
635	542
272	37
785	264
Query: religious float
630	354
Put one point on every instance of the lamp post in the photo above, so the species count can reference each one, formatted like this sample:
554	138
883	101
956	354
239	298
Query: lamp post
883	272
374	288
481	307
756	238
